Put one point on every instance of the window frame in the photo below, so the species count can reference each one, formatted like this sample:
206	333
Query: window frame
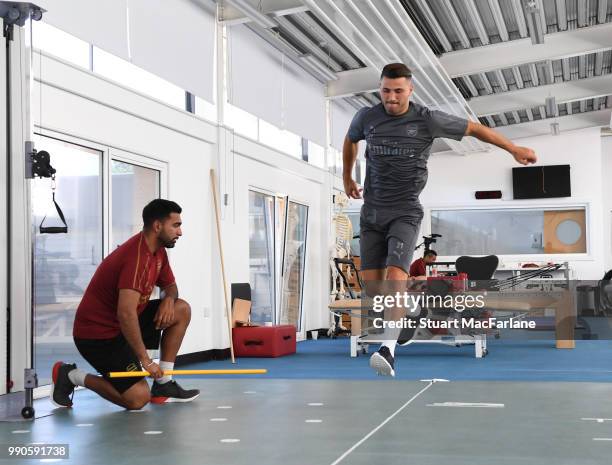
108	153
133	159
512	205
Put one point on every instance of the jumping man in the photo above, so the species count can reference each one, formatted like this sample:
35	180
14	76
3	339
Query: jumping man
399	135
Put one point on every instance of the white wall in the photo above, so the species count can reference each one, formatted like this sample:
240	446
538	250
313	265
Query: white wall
606	172
83	105
77	103
453	180
264	168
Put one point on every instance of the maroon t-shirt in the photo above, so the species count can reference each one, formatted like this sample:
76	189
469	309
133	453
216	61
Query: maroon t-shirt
130	266
417	268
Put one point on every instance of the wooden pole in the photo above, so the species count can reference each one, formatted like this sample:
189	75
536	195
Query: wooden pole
213	186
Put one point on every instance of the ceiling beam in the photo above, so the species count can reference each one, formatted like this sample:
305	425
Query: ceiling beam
353	82
435	25
308	44
498	17
602	8
326	40
534	96
231	14
456	23
561	14
517	9
515	52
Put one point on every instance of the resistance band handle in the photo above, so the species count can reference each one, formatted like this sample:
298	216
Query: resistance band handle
54	229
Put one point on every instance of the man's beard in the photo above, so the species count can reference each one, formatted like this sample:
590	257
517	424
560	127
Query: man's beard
167	243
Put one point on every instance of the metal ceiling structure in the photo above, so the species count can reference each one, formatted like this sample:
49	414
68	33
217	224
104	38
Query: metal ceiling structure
509	63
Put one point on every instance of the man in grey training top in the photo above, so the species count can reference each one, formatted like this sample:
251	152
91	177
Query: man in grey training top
399	135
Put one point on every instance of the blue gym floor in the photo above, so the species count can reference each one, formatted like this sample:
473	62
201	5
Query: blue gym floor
508	360
321	407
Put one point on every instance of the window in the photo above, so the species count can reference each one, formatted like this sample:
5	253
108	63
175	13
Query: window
281	140
241	122
64	263
205	109
132	188
132	76
316	154
60	44
261	256
294	265
335	161
511	231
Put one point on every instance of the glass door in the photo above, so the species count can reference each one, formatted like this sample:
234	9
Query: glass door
262	257
64	263
294	264
132	187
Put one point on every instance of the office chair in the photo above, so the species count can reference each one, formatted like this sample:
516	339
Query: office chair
477	268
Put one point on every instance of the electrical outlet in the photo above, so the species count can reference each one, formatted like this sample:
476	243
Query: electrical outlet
206	312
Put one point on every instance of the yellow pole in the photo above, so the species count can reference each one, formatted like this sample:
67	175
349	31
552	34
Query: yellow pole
133	374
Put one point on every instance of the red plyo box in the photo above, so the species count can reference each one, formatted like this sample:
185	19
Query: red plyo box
264	341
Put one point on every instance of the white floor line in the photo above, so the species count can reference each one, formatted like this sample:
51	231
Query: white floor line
466	404
389	418
598	420
602	439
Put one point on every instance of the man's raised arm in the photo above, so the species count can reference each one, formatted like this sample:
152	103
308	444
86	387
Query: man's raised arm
522	155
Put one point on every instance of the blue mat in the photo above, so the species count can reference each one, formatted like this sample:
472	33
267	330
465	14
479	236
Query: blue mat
535	360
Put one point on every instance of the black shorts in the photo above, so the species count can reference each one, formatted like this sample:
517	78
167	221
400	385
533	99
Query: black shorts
388	237
115	354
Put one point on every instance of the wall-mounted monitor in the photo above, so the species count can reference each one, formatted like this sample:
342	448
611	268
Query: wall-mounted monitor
541	182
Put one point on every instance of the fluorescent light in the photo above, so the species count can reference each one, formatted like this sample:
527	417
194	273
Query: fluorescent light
551	107
534	22
554	129
253	13
319	67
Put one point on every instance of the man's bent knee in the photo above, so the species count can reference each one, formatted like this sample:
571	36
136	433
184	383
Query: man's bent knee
184	309
395	273
137	396
137	404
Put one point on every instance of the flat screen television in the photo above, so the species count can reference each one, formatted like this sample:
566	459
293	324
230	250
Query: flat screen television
541	182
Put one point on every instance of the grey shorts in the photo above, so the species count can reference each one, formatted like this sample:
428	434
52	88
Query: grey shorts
388	237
